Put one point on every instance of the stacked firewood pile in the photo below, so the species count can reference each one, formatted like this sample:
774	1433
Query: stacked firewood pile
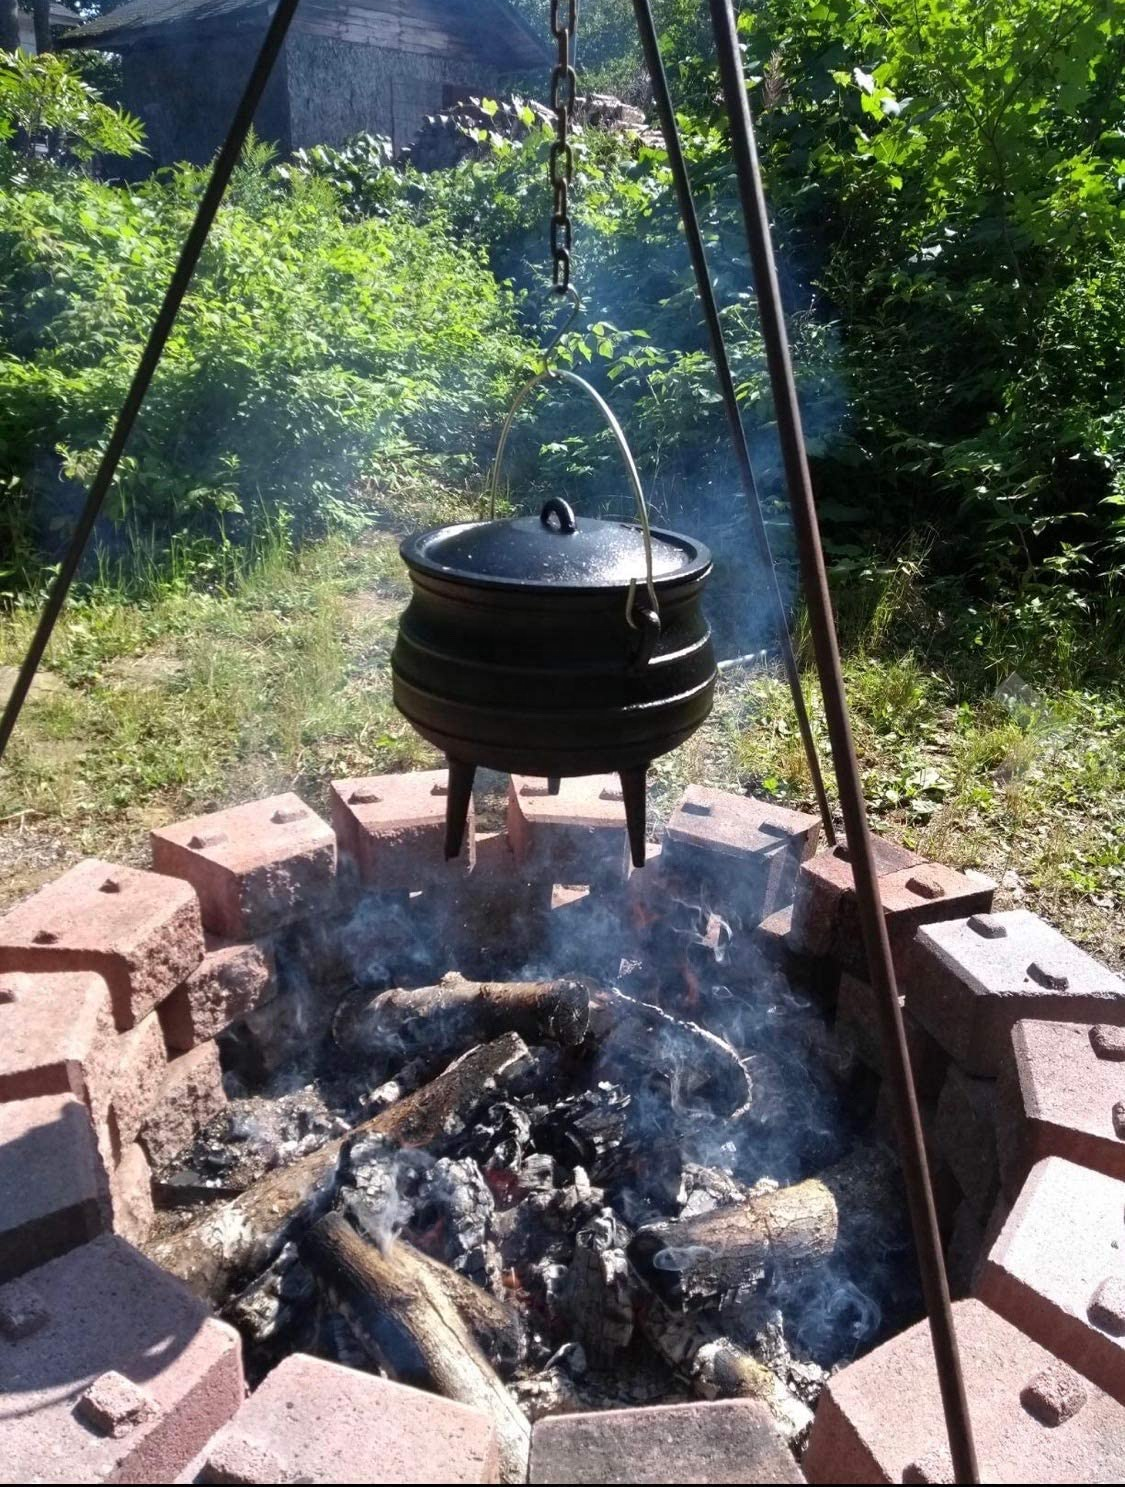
553	1194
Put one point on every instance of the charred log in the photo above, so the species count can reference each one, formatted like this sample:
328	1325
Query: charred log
496	1326
241	1238
716	1368
703	1069
436	1022
691	1260
408	1322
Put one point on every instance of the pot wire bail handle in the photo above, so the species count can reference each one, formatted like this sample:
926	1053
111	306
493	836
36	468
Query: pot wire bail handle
643	619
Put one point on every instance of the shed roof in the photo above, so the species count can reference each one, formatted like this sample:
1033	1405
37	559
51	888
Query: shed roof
493	27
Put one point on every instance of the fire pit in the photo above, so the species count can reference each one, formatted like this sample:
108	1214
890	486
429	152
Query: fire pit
525	1130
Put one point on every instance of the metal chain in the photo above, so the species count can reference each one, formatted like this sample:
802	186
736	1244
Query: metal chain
564	91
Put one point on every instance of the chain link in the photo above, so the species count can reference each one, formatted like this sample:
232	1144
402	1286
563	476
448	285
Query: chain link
564	91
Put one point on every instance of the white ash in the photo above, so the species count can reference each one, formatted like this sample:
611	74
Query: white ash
596	1296
377	1184
708	1188
456	1193
272	1304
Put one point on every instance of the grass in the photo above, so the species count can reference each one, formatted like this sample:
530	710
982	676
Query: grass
178	700
184	701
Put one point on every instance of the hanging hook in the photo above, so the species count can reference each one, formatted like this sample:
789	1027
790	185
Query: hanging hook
556	340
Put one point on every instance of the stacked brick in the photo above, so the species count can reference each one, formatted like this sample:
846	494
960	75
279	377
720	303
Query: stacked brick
1027	1122
116	1372
84	965
115	985
119	988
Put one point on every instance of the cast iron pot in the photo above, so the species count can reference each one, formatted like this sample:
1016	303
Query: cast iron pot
543	646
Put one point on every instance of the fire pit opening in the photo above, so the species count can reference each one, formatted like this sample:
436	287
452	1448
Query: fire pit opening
527	1155
543	1134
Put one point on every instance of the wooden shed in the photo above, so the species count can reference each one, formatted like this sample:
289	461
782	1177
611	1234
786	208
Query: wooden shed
348	67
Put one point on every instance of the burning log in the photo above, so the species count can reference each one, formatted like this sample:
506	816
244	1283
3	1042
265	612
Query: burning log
717	1368
436	1022
496	1326
701	1063
244	1236
410	1322
692	1259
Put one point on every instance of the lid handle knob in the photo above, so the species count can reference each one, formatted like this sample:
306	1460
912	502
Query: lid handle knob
557	507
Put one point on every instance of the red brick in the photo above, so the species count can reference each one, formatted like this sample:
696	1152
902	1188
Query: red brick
880	1420
139	1063
130	1190
53	1027
576	836
315	1421
52	1185
971	980
946	1189
392	826
646	889
965	1136
727	1441
255	866
107	1310
192	1092
745	852
135	929
1064	1240
113	1405
911	896
858	1027
1056	1098
232	979
825	886
963	1252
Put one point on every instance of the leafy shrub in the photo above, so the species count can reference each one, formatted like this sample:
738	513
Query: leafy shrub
313	349
948	187
952	170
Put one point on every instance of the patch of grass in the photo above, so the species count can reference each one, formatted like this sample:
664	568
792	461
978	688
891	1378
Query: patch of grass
180	700
275	681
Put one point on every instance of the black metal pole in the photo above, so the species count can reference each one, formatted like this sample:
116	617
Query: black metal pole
225	162
848	779
650	43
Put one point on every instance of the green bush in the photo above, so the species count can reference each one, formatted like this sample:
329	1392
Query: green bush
314	350
952	171
948	183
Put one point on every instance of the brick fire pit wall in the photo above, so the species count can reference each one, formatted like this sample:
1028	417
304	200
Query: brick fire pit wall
116	983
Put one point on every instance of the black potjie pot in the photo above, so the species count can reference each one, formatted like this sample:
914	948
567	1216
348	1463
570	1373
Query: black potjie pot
532	646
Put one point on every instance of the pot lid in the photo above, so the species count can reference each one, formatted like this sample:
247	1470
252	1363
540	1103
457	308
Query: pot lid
553	550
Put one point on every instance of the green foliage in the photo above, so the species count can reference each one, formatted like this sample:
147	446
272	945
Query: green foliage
952	170
48	110
361	173
315	349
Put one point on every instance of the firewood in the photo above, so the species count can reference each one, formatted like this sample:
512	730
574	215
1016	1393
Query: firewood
689	1260
692	1259
242	1237
714	1367
706	1068
435	1022
497	1327
408	1323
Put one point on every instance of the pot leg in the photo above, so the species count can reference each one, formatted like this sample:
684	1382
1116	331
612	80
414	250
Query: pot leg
554	785
457	804
634	784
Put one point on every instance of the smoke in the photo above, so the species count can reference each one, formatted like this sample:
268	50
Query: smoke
682	1257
